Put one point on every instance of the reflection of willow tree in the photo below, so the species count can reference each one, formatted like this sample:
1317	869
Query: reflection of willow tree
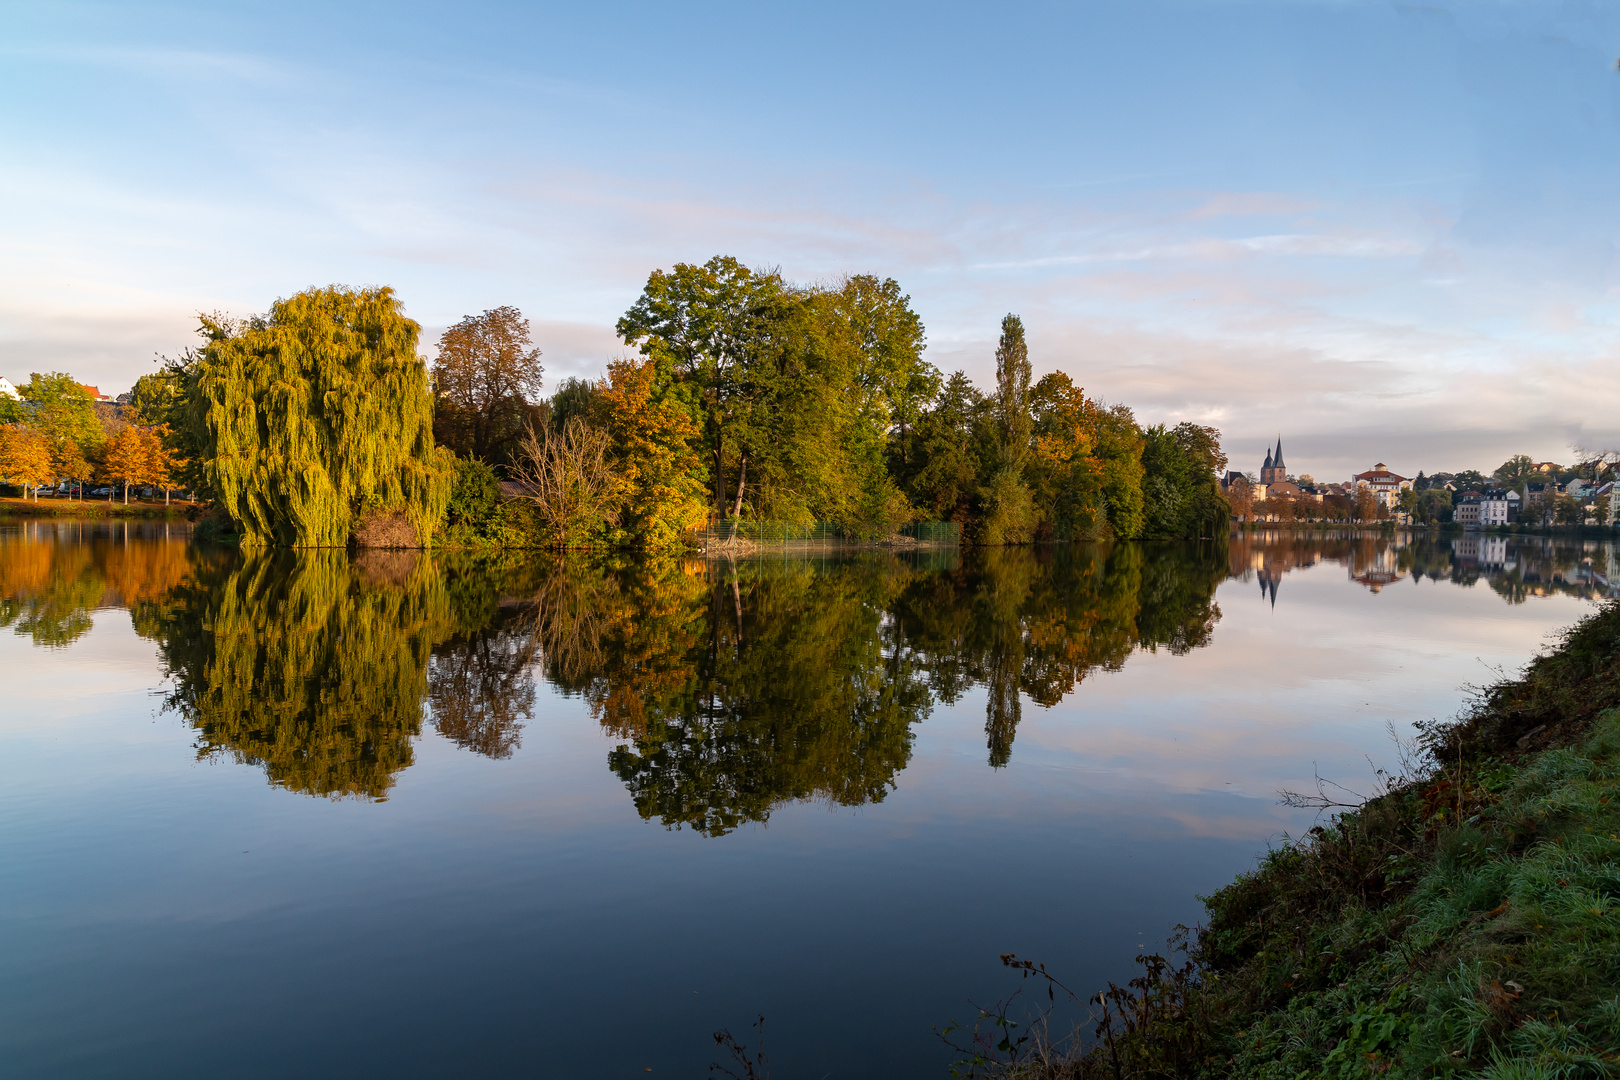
315	665
735	689
51	580
1035	623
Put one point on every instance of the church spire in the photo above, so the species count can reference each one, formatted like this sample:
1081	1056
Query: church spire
1277	461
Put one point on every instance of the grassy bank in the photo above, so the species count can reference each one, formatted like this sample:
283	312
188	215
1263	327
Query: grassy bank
1464	924
89	508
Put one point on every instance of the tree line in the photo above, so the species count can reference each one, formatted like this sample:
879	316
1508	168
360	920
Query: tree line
56	431
746	396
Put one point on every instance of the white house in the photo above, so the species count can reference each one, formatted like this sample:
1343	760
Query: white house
1385	485
7	390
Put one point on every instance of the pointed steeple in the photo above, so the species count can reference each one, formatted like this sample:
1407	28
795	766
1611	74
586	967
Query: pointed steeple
1277	462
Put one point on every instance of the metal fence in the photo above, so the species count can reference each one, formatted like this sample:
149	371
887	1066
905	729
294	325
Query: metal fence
785	534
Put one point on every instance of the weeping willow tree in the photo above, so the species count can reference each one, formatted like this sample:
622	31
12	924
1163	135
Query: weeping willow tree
317	418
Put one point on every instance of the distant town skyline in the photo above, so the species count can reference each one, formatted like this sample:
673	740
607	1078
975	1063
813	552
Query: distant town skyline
1389	230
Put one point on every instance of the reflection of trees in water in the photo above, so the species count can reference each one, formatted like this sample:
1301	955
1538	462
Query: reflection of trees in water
48	588
728	689
481	689
310	666
736	688
315	665
1036	622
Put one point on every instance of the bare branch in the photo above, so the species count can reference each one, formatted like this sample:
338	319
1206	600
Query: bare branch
567	475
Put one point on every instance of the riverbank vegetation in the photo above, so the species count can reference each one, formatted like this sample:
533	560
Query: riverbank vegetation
1464	922
747	397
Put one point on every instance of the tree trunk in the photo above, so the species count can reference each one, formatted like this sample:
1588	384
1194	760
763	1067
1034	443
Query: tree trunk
719	478
742	478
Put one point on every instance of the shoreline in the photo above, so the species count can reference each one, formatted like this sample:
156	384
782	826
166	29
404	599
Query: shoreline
1464	922
90	508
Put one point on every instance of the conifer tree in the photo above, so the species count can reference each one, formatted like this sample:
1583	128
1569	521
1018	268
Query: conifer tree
317	416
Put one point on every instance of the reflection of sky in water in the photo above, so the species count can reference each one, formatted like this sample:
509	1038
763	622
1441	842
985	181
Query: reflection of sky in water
169	917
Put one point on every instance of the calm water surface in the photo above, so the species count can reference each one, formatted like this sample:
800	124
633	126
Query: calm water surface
399	815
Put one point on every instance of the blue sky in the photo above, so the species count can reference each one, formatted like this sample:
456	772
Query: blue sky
1386	231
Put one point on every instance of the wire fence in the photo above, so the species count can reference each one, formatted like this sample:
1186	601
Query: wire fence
787	534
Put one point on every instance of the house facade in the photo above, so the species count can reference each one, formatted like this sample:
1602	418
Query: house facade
1385	485
1476	510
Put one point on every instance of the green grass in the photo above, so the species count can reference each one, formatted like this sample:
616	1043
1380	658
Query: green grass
82	508
1466	924
1498	954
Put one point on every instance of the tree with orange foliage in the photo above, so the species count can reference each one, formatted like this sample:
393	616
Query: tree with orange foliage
1065	475
25	458
136	456
655	435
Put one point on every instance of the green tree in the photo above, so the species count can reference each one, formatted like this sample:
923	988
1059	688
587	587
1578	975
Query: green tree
154	397
707	327
316	417
1516	471
939	457
62	410
573	397
1181	495
1433	505
1007	511
1119	446
1014	423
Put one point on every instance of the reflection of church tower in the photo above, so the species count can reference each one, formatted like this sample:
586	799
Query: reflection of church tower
1274	471
1269	581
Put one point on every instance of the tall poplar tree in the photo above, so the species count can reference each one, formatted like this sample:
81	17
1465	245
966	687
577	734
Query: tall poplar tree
316	417
1009	515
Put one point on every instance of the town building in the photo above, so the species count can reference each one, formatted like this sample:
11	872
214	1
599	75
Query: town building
7	390
1477	510
1385	485
1283	489
1540	500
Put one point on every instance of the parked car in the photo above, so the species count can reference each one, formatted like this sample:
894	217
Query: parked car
101	492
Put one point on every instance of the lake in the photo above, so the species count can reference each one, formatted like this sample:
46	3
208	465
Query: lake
399	814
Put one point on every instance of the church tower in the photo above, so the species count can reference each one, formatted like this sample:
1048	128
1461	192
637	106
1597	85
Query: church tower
1274	471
